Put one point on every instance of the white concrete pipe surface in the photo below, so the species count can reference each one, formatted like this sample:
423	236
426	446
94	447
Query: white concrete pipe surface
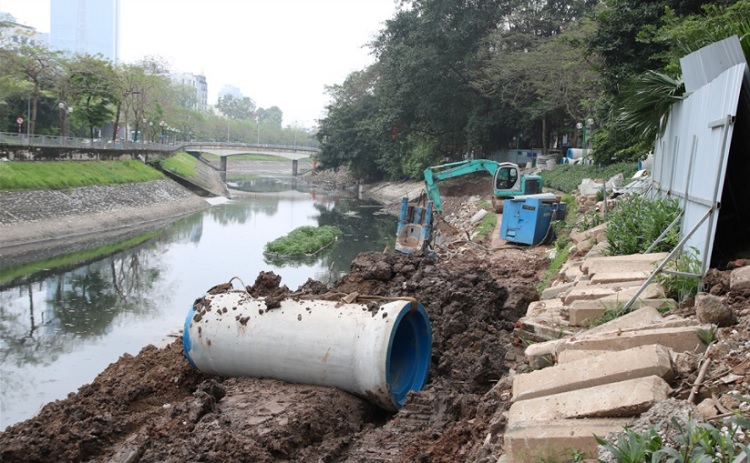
378	355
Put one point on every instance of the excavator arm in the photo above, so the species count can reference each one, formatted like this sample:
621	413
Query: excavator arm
454	169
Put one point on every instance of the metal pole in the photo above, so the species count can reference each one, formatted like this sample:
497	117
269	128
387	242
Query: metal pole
666	261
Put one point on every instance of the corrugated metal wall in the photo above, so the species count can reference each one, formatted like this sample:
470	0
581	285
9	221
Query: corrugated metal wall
690	159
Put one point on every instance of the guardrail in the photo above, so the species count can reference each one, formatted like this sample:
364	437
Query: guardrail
16	139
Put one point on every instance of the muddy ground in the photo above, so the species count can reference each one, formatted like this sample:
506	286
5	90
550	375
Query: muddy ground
154	407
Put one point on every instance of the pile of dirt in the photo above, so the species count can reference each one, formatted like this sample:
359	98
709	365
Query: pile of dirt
155	407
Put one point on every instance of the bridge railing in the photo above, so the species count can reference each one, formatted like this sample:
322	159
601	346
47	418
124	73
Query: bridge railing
221	144
16	139
22	139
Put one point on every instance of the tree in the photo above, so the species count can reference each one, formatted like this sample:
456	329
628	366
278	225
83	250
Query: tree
94	86
34	65
546	77
272	116
146	86
236	108
346	133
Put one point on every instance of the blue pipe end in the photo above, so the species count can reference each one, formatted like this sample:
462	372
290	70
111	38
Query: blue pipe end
409	353
186	342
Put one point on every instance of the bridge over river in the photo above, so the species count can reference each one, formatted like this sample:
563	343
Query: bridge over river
24	147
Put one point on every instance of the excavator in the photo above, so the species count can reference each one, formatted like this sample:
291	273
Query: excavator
415	225
507	180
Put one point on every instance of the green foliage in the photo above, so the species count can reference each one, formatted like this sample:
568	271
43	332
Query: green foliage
242	108
681	35
562	230
180	164
55	175
567	177
648	99
611	312
140	94
561	256
682	288
303	241
633	447
420	157
636	222
590	219
707	335
691	442
487	226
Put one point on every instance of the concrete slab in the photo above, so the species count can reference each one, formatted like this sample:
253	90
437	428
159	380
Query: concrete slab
681	339
652	291
571	273
542	329
621	292
617	277
555	291
583	312
609	367
587	292
538	308
629	263
614	400
544	354
535	441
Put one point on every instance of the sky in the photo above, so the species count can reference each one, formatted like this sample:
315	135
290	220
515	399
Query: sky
277	52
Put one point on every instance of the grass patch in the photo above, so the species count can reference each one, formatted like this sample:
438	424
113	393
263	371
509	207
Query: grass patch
678	287
74	259
40	175
181	164
303	241
567	177
487	225
562	231
561	256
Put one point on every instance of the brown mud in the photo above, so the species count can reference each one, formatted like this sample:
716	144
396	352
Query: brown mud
154	407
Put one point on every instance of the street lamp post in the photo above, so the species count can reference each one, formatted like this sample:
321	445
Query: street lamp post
65	112
163	125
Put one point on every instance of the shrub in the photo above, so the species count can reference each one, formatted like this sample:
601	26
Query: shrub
679	287
303	241
567	177
691	442
636	223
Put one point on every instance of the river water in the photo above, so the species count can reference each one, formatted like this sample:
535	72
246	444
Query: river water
58	331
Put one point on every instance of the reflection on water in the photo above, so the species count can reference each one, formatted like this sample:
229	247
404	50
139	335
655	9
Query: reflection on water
58	331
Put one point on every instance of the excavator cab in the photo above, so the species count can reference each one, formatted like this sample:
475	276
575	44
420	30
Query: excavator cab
506	178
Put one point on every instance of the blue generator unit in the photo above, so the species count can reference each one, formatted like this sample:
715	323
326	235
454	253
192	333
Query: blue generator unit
528	219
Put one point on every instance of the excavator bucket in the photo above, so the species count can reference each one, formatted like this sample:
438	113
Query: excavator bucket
414	228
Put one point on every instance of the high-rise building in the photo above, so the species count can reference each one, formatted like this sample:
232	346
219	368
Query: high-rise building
198	83
86	27
13	34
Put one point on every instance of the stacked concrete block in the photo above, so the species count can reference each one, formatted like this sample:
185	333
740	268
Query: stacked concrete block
594	378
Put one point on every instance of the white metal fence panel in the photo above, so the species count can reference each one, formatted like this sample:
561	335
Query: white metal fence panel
691	157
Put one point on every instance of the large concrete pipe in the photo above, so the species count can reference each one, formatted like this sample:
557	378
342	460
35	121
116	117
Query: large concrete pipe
378	353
